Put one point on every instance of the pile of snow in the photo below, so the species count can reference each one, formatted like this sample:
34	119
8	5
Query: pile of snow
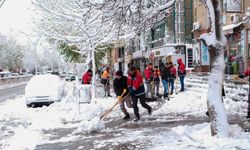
63	114
199	137
189	103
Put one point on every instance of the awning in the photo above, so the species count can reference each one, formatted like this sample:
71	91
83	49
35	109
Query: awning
228	29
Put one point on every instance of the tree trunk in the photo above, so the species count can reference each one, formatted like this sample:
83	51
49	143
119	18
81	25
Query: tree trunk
218	117
217	45
93	77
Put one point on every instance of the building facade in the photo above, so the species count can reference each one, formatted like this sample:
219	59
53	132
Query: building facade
235	29
168	39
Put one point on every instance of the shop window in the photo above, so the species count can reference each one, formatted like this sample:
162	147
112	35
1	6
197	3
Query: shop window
190	57
121	52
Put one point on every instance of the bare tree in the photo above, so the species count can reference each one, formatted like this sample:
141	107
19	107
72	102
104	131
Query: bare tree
134	15
216	42
74	23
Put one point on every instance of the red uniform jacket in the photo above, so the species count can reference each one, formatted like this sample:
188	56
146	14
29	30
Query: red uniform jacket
136	83
247	73
181	67
148	73
86	78
173	72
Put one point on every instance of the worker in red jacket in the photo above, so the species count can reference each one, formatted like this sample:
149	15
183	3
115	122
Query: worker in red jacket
245	74
181	72
137	91
148	74
87	76
172	76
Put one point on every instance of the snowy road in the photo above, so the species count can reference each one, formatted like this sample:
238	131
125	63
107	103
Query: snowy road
11	92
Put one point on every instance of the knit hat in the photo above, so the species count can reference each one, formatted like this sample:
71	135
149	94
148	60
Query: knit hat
119	73
132	68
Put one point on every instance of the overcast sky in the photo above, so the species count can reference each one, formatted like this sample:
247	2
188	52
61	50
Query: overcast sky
15	15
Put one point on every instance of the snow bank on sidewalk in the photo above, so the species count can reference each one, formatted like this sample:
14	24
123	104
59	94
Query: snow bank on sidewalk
199	137
12	85
194	102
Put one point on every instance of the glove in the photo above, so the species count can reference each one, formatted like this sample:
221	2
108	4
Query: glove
131	91
119	98
241	76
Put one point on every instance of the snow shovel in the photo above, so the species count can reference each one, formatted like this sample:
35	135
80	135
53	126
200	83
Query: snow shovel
116	103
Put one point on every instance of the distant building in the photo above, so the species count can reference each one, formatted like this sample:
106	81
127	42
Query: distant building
237	32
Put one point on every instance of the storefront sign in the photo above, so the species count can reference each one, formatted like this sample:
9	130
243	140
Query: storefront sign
138	54
233	5
157	53
204	54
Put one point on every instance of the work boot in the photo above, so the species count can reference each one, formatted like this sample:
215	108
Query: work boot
150	111
207	113
126	117
248	115
109	96
137	118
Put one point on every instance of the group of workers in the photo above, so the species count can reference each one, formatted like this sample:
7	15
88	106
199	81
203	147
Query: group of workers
134	87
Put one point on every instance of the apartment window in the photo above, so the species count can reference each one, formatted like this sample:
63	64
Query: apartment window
158	34
121	52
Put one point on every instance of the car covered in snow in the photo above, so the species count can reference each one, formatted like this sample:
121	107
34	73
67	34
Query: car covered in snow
44	89
5	74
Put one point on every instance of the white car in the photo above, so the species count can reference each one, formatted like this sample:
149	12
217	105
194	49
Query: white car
44	89
5	74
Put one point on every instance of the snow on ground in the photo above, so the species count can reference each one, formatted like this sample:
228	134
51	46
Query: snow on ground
198	137
23	127
58	115
7	86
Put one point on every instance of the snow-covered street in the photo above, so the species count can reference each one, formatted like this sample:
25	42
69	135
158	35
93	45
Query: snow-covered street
180	123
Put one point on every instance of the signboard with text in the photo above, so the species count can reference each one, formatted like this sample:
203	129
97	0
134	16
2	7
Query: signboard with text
233	5
204	54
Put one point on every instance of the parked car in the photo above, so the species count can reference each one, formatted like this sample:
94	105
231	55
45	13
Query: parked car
5	74
15	74
44	90
68	76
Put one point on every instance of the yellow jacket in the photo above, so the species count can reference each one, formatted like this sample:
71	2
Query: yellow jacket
105	74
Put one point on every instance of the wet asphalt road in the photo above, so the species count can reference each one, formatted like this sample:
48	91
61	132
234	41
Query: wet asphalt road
11	92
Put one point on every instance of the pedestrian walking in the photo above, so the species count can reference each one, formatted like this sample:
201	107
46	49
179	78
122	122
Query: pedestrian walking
137	91
172	77
245	74
148	74
156	80
120	83
87	76
165	75
181	73
105	81
161	64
